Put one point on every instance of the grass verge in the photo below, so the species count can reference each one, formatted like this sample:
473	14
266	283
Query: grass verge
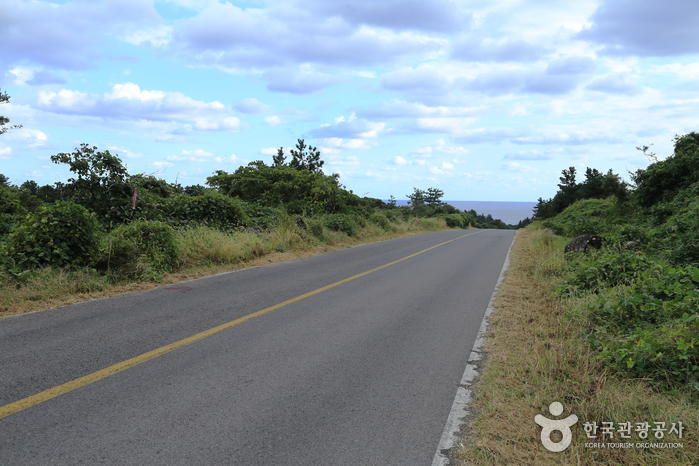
202	251
535	356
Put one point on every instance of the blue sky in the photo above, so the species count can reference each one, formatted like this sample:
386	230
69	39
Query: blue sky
487	100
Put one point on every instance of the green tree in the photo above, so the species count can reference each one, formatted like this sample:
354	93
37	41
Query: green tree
101	181
309	161
433	198
596	186
4	99
279	159
298	190
663	179
417	198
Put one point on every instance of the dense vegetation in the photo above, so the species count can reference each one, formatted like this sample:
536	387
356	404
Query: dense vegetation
641	291
123	225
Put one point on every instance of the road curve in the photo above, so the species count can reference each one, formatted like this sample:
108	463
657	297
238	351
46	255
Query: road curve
363	372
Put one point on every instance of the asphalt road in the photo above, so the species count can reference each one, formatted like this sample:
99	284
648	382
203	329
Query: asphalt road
363	373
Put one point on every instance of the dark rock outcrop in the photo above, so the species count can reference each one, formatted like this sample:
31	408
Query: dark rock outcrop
583	243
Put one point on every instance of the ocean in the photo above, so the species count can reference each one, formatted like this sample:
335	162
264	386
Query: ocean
509	212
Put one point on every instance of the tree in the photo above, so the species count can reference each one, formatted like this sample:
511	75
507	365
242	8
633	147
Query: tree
279	159
4	99
663	179
596	186
433	198
309	161
101	179
417	198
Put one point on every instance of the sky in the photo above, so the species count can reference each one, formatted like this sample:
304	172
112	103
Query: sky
487	100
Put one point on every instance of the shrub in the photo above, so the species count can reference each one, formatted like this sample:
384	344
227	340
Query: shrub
11	209
261	216
299	191
341	222
455	221
211	208
383	222
64	234
651	328
610	269
662	180
140	249
315	227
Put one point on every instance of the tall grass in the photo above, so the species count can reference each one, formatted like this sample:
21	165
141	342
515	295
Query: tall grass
200	251
536	355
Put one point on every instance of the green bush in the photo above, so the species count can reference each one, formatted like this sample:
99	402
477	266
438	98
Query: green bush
139	249
651	328
455	221
662	180
262	216
315	227
341	222
64	234
383	222
301	192
611	268
211	208
11	209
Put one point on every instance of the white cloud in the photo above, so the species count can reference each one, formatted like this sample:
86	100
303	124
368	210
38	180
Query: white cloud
21	74
277	38
252	106
161	165
128	101
158	35
275	121
67	36
198	155
352	128
398	160
230	158
650	28
121	152
337	161
444	125
517	167
29	137
423	152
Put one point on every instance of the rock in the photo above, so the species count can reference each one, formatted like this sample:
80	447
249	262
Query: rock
553	232
583	243
301	223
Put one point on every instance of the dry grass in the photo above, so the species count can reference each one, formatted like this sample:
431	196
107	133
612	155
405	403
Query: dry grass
202	252
535	357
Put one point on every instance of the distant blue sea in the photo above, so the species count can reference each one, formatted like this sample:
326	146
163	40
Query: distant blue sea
509	212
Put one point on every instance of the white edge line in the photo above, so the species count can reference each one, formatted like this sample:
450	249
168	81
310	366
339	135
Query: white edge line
460	408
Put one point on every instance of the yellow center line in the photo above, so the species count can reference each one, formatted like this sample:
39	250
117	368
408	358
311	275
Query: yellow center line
116	368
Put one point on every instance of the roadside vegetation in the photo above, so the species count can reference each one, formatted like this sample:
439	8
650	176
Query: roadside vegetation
612	334
106	231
